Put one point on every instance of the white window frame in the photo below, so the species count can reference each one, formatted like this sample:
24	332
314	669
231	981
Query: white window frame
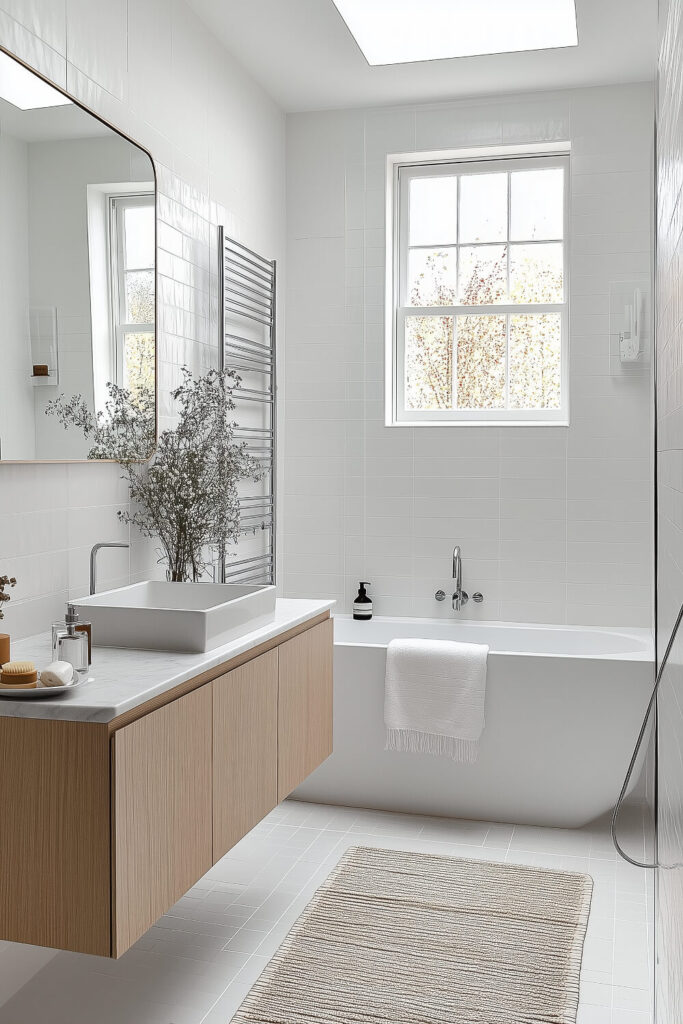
400	170
119	202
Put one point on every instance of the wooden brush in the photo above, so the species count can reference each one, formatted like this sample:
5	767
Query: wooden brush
19	675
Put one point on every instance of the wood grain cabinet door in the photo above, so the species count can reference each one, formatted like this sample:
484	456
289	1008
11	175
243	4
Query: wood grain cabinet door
305	705
244	749
55	849
161	773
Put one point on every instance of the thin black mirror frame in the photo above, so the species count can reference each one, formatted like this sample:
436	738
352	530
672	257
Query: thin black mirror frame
143	149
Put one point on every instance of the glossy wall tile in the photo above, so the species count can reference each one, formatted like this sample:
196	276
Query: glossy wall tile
218	142
520	501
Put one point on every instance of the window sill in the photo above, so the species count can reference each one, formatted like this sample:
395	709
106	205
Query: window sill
476	423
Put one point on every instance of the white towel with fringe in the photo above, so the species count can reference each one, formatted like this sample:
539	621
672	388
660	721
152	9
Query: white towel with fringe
434	693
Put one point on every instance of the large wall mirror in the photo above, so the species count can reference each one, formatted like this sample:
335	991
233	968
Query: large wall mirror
77	280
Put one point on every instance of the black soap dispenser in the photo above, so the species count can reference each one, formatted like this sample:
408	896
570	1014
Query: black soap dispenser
362	606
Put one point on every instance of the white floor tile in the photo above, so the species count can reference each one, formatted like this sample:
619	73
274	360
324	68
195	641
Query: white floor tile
633	999
629	1017
593	1014
596	995
196	965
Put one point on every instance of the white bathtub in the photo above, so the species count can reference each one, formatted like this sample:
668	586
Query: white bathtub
563	709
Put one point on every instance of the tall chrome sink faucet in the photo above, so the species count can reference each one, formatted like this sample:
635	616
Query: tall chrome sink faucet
93	560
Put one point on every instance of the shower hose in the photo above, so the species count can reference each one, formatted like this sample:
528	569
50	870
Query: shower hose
636	751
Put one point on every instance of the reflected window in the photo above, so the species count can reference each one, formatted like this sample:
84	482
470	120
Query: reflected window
132	243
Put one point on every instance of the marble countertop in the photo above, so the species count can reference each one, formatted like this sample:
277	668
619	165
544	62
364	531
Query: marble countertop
121	679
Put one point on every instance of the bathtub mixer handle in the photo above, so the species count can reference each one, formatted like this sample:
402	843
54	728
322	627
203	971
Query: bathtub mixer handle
440	595
460	595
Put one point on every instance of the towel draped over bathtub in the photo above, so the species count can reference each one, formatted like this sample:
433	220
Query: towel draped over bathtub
434	694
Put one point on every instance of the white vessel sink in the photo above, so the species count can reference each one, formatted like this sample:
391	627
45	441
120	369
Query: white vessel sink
192	617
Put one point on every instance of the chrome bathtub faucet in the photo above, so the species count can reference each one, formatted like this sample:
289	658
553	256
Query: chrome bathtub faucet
460	597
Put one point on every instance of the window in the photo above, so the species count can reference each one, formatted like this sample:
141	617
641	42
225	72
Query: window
132	240
479	292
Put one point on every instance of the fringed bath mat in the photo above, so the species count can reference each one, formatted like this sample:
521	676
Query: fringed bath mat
411	938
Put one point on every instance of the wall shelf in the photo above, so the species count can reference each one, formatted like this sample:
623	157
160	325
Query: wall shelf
44	345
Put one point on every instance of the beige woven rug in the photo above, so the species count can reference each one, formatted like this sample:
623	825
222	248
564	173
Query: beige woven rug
415	938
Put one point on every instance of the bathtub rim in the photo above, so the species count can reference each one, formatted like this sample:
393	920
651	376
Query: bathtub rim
640	634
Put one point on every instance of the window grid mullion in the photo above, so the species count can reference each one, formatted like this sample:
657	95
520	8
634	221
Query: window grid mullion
454	332
498	309
121	259
454	363
489	245
507	318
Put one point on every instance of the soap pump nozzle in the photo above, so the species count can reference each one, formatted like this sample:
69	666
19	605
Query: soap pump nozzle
71	619
71	640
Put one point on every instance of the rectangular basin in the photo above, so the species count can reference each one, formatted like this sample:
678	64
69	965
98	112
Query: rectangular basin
191	617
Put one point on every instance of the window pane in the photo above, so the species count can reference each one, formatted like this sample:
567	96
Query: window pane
138	363
139	232
481	362
429	362
431	277
483	207
140	297
433	211
537	204
535	363
483	275
536	273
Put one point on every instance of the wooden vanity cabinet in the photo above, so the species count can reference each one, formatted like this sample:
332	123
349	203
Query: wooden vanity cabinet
305	706
245	744
54	834
161	812
103	827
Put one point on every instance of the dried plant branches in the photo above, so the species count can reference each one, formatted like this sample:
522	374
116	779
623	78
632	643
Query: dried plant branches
187	494
5	581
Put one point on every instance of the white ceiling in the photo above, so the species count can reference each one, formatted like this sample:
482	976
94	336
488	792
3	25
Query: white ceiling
49	124
303	54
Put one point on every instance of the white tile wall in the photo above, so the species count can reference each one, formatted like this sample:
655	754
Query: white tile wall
17	427
669	931
542	514
217	139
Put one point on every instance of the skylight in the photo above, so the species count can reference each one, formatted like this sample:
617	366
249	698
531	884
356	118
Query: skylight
23	89
403	31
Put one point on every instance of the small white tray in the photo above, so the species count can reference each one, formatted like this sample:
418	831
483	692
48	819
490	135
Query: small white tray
41	692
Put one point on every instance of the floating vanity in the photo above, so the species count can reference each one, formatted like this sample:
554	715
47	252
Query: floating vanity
116	799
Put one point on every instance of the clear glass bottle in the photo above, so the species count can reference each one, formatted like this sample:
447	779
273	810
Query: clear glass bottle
70	641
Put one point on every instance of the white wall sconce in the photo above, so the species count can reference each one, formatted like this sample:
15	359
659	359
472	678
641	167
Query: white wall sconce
630	348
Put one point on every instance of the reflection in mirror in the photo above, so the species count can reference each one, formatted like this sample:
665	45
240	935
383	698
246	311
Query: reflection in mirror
77	278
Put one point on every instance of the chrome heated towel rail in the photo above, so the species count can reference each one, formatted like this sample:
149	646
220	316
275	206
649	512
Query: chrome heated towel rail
247	330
